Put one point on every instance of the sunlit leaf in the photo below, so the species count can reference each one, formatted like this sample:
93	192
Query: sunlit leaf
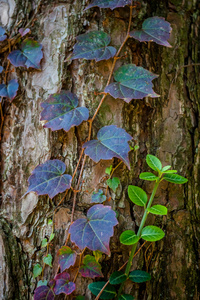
67	257
126	297
108	170
153	162
2	34
24	31
174	178
93	45
61	111
148	176
139	276
48	260
48	178
137	195
109	3
10	90
158	210
90	267
63	285
152	233
117	277
154	29
98	255
50	222
95	231
37	270
111	142
29	56
132	83
44	293
98	197
129	237
108	293
113	183
166	168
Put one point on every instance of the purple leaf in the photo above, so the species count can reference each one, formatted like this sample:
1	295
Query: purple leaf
154	29
44	293
61	111
48	179
93	45
95	231
132	83
90	267
98	197
1	69
2	34
29	56
109	3
10	90
67	258
63	285
111	142
24	31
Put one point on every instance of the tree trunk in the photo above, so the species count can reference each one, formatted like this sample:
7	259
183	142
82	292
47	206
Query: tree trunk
167	127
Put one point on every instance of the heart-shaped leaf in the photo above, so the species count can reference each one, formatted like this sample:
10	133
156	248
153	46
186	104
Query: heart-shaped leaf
148	176
10	90
175	178
48	179
63	285
139	276
137	195
67	257
129	237
2	34
37	270
93	45
154	29
90	267
44	293
158	210
108	293
132	83
113	183
24	31
111	142
109	3
152	233
61	111
95	231
117	277
98	197
153	162
48	260
29	56
126	297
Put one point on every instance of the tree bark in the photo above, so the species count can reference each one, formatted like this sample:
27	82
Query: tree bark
167	127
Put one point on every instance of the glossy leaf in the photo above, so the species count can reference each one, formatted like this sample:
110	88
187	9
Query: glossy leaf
44	293
170	172
2	34
111	142
126	297
67	257
42	282
24	31
113	183
139	276
117	277
132	83
63	285
152	233
1	69
158	210
90	267
137	195
153	162
29	56
154	29
95	231
93	45
166	168
48	260
129	237
61	111
108	293
148	176
109	3
98	197
48	178
10	90
37	270
174	178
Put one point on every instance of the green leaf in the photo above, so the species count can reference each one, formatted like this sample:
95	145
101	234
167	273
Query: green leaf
108	170
44	243
129	237
139	276
148	176
98	255
152	233
158	210
153	162
117	277
42	282
174	178
170	172
50	222
79	297
48	260
51	237
113	183
136	147
166	168
37	270
126	297
137	195
108	293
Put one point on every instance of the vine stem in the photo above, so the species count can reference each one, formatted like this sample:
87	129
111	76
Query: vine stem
129	264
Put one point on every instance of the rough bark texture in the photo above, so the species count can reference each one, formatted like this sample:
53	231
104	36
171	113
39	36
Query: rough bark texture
167	127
